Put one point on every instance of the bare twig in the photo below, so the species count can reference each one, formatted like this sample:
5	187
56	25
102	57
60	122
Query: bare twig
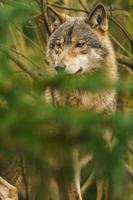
41	6
24	177
87	184
83	6
110	9
129	170
130	71
22	66
91	179
125	51
27	58
128	61
124	30
27	38
33	43
67	8
13	37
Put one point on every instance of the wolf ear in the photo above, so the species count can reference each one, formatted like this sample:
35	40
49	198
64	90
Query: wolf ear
55	18
98	18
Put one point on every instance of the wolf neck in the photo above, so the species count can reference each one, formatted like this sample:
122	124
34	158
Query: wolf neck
103	101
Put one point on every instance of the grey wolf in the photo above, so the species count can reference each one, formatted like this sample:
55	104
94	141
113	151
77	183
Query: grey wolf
78	45
81	46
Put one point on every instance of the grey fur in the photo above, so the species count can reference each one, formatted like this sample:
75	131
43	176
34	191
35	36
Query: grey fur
79	28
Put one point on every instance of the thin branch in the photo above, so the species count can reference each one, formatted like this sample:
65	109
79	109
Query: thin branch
129	170
91	179
124	60
22	66
125	51
27	58
33	43
27	38
41	6
127	34
130	71
13	37
83	6
24	178
67	8
87	184
130	148
110	9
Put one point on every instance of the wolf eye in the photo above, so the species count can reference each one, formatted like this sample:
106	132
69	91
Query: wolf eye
58	47
80	44
58	44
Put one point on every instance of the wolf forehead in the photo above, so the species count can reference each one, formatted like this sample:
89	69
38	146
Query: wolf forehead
77	29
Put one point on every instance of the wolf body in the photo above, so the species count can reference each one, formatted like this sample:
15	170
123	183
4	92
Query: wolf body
81	46
78	45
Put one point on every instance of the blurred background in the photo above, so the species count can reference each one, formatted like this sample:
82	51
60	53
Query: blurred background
31	130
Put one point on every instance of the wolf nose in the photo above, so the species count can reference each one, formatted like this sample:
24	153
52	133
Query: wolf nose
60	68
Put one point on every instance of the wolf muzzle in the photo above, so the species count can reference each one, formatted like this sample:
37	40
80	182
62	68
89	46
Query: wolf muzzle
60	68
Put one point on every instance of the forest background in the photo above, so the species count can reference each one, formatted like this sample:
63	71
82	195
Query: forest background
25	118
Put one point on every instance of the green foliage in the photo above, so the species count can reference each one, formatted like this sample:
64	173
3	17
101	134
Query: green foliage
29	125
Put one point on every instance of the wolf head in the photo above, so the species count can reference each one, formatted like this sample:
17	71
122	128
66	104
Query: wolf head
79	44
